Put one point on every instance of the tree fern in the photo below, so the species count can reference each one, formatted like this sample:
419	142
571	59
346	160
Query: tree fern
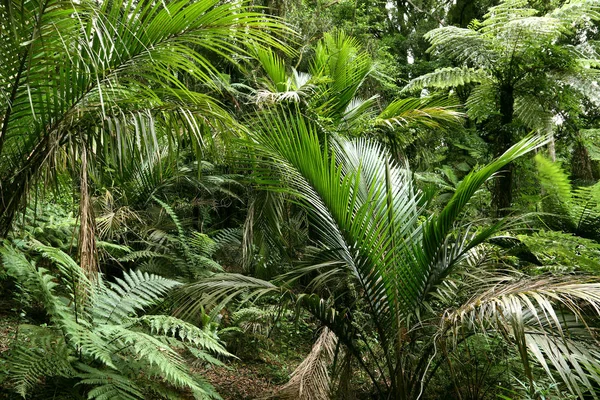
447	77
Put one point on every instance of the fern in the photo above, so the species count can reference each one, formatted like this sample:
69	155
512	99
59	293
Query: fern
105	347
482	103
205	339
574	210
151	351
563	251
123	298
447	78
553	179
108	385
45	354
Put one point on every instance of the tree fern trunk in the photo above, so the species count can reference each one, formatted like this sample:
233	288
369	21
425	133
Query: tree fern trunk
502	194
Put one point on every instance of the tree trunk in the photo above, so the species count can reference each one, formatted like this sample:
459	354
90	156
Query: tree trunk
503	185
581	164
87	223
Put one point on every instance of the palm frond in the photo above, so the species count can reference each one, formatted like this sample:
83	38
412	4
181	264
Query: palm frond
542	316
431	113
436	230
311	379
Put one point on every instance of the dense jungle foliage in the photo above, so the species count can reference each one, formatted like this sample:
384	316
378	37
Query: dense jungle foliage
300	199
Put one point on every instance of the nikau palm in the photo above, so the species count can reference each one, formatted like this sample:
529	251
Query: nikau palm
331	90
77	78
423	280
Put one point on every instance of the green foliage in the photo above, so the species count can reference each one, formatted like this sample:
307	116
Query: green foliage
563	252
574	210
403	270
89	73
97	338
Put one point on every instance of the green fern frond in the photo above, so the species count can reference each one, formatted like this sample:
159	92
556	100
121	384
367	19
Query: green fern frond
202	244
464	45
531	113
447	78
153	353
563	251
45	356
553	179
70	272
108	385
37	282
142	254
576	12
482	102
169	210
91	344
205	339
125	297
585	211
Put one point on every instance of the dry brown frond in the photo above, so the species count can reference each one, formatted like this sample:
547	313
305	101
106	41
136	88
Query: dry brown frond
311	379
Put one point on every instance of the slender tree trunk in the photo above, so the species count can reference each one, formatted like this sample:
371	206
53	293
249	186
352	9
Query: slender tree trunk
503	187
87	226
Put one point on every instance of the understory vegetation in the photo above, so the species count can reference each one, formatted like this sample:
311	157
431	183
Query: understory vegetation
300	199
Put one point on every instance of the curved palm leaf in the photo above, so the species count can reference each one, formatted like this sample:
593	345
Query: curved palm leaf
82	69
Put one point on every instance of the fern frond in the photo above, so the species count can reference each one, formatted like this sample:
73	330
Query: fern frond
142	254
553	179
573	13
462	44
205	339
531	113
71	273
125	297
108	385
585	211
152	352
482	102
92	344
169	210
446	78
46	355
38	282
565	251
505	12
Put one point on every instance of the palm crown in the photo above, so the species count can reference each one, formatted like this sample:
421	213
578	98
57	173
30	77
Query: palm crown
79	80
